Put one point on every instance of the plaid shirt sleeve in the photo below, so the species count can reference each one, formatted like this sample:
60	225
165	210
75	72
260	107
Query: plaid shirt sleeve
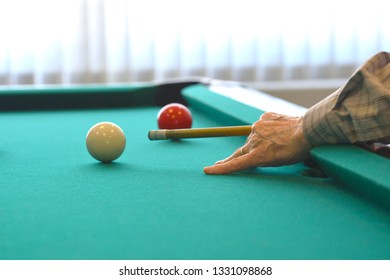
357	112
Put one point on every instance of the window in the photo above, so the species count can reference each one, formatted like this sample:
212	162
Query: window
90	41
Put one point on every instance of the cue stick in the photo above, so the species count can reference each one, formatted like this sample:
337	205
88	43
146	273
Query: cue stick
170	134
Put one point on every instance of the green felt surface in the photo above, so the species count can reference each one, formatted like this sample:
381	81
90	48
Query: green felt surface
220	108
56	202
358	170
363	172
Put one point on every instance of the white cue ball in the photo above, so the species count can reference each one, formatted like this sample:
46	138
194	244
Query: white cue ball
106	141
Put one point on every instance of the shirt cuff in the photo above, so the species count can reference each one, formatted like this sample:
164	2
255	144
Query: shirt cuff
320	123
357	112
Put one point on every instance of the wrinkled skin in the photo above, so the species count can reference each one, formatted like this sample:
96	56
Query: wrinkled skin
275	140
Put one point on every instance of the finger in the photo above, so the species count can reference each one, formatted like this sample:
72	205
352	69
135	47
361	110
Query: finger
233	165
237	153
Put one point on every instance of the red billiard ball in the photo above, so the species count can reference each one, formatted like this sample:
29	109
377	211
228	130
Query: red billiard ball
174	116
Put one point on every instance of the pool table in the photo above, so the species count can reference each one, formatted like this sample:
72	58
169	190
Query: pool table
155	202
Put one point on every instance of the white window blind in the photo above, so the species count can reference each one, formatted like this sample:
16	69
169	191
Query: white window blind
90	41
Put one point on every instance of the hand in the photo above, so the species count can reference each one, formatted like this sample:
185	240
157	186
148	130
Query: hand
275	140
